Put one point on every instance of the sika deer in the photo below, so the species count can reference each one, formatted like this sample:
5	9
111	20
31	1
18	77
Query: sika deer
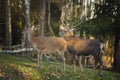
77	47
45	45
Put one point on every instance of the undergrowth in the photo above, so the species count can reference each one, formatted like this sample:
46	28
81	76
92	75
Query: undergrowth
24	68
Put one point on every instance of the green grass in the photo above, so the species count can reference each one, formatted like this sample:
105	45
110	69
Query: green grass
23	68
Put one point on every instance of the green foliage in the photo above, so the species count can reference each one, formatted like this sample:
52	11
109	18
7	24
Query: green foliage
104	25
17	68
22	68
109	9
100	27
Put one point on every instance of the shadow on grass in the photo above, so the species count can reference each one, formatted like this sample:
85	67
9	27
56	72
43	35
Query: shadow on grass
10	73
19	68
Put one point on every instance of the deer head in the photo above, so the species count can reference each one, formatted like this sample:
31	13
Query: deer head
30	29
66	31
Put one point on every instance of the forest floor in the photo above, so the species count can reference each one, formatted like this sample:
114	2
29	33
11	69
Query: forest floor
24	68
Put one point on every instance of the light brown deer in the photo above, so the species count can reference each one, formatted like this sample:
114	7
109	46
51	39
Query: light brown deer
78	47
45	45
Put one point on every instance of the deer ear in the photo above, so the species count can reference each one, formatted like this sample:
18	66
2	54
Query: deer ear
62	27
32	27
35	28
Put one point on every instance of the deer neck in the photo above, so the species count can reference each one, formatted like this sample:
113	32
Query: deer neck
31	37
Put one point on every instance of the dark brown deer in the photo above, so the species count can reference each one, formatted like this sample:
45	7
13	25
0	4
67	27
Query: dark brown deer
83	47
47	45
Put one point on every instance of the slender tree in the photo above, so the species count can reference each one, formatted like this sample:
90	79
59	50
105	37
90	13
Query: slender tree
117	40
42	15
27	11
49	15
8	25
27	24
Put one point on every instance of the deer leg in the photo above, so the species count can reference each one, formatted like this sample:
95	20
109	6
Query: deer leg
100	70
63	58
80	64
38	61
100	66
74	63
98	60
41	60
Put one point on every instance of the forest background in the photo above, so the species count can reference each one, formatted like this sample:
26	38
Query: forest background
99	19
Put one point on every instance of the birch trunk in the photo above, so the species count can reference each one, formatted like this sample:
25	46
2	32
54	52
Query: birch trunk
25	42
27	24
27	12
92	9
86	9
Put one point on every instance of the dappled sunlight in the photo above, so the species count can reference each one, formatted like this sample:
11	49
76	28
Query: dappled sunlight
1	74
18	68
25	69
28	70
9	73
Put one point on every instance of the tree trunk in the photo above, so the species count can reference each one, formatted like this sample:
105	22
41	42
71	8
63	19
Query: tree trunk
117	53
66	13
27	23
3	21
117	42
86	9
42	16
8	25
27	12
49	15
92	8
25	42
